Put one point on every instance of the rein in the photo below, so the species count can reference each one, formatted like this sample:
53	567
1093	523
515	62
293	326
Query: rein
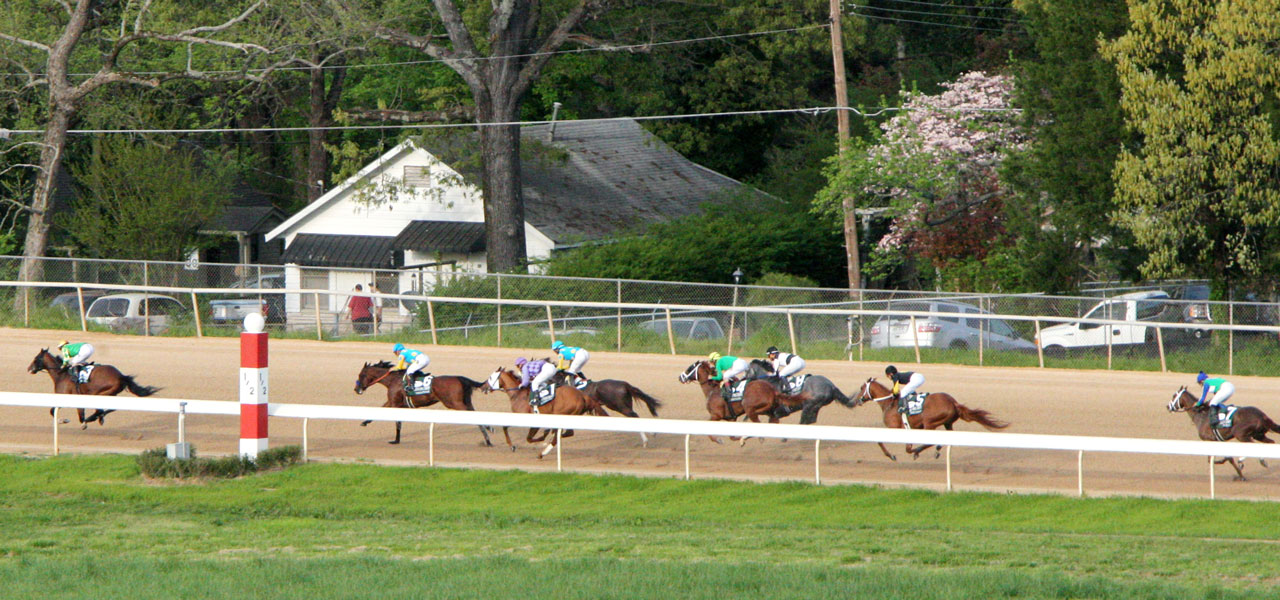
866	393
384	376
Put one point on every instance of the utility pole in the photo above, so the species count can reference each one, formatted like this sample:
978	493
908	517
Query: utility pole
842	120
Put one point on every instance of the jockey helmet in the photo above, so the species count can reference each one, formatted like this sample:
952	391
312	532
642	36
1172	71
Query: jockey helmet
771	350
891	370
558	345
1201	377
714	357
520	362
397	349
64	343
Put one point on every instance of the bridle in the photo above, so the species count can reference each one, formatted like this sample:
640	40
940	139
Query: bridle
864	395
691	373
370	384
1176	405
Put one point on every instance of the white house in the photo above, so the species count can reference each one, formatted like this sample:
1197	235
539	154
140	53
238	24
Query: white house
414	206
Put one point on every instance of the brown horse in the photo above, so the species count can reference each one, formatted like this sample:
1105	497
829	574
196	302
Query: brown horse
104	380
616	395
759	397
453	391
940	410
567	401
1247	425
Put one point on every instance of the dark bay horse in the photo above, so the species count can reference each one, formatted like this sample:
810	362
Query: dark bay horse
940	410
616	395
453	391
758	397
817	392
104	380
568	401
1248	425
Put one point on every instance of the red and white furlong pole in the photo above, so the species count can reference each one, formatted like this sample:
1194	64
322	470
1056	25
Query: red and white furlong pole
253	387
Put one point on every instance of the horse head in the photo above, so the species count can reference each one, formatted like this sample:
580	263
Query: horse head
1182	400
695	372
43	360
360	379
496	380
759	368
872	391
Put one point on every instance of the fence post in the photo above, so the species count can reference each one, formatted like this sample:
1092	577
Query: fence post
982	330
848	321
791	329
254	438
915	338
1109	326
686	456
1160	345
305	423
619	315
1231	340
431	317
146	303
671	335
431	445
551	325
55	437
817	468
26	307
1212	492
84	323
195	312
1080	473
1039	345
948	448
319	325
499	312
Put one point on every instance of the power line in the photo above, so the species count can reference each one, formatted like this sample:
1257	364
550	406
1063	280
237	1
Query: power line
940	14
918	2
812	111
622	48
951	25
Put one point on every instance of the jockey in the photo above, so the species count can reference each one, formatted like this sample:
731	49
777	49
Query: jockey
1221	388
534	374
784	364
905	384
728	368
571	359
75	355
412	361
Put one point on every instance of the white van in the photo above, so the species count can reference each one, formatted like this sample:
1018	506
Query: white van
129	312
944	331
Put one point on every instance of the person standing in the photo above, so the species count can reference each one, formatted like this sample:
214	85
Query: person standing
377	306
360	307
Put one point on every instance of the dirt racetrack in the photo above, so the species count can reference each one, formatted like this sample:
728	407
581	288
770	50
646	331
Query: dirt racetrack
1052	401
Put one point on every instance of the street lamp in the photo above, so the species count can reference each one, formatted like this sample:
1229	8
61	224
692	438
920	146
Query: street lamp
737	279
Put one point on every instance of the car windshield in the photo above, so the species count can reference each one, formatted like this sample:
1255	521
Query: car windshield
109	307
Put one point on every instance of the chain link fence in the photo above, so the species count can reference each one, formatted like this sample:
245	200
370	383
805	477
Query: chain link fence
1169	326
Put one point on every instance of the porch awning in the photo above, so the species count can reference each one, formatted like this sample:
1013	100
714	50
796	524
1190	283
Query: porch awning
352	251
441	236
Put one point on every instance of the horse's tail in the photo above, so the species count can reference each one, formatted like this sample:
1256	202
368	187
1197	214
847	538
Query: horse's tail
468	384
650	401
138	390
979	416
841	398
1271	424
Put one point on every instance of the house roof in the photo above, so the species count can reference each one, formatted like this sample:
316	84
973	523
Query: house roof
244	219
441	236
595	179
355	251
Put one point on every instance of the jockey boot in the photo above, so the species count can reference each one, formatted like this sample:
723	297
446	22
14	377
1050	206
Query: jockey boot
726	392
902	402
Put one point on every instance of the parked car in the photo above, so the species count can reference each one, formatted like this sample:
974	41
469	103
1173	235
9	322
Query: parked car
1140	307
687	328
69	302
129	312
944	331
233	310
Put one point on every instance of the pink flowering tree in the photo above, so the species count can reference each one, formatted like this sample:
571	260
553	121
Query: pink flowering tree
934	167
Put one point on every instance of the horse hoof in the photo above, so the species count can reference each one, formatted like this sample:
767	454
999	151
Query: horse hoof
1264	464
394	442
65	421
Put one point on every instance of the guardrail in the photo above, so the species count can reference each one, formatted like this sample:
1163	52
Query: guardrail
816	433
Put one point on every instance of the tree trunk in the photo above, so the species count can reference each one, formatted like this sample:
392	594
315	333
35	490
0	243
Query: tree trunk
505	249
322	103
37	240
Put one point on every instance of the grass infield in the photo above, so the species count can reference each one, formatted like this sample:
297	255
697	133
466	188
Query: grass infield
91	526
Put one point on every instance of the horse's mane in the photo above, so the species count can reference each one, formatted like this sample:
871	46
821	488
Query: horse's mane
382	364
763	364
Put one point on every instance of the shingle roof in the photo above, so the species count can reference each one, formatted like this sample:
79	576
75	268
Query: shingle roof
598	179
355	251
441	236
245	219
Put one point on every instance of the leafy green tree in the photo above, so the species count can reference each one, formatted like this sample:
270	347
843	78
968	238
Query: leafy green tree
146	201
1201	189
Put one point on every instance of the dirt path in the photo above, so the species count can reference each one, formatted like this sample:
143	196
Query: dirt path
1035	401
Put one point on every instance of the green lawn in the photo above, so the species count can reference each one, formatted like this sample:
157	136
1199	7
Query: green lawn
75	527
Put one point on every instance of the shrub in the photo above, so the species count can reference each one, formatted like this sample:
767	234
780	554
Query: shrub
156	463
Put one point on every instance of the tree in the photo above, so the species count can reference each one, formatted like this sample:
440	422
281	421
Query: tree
935	168
117	43
1200	190
499	63
146	201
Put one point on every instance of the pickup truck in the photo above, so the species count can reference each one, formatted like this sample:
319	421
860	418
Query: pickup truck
1139	307
271	306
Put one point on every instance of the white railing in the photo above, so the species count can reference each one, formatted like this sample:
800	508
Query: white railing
816	433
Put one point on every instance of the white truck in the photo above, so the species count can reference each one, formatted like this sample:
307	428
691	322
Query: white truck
1138	307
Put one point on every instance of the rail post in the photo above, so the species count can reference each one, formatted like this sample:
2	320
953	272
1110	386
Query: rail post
1080	473
671	335
195	313
791	330
1231	340
305	424
1039	345
499	312
253	387
551	325
817	462
915	338
948	449
1212	491
55	432
686	454
619	315
1160	345
319	325
431	317
559	441
84	323
26	307
431	445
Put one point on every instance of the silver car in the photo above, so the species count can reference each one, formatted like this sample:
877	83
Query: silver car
944	331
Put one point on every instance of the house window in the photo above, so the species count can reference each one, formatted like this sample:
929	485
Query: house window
417	176
313	279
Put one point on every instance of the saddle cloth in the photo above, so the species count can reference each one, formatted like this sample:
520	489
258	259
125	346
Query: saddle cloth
84	372
735	391
915	405
581	383
420	384
1224	416
794	384
543	395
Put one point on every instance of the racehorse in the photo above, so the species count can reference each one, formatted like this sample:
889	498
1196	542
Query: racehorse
104	380
940	409
758	397
453	391
1247	425
567	401
616	395
817	392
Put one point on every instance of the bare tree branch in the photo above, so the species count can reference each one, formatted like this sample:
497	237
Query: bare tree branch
457	114
24	42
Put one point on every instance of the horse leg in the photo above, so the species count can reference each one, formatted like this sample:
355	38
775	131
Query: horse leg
484	430
555	439
397	440
886	451
80	415
507	434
